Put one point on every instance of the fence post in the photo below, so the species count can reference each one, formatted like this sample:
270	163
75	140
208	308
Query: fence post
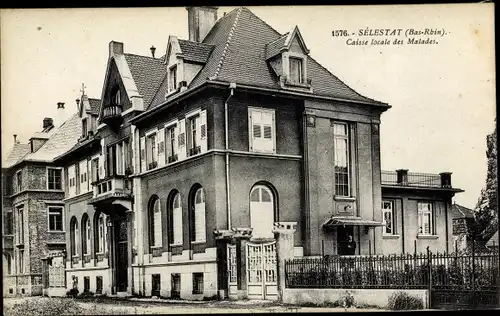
473	269
283	232
429	266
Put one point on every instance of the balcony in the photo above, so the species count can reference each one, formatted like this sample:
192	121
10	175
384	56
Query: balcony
403	178
111	188
112	115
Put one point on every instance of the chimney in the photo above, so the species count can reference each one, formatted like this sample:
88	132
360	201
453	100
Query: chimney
153	49
115	48
60	105
15	139
47	123
445	179
402	176
200	22
61	114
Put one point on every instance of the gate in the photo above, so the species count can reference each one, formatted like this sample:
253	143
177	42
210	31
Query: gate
261	271
232	279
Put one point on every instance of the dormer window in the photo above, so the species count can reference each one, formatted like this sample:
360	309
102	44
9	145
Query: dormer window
84	127
172	84
296	70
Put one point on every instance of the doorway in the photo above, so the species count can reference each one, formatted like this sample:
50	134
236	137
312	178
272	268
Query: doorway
343	233
121	264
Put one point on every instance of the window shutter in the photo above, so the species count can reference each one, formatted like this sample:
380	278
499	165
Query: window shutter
182	139
101	167
157	225
143	153
161	147
203	131
199	219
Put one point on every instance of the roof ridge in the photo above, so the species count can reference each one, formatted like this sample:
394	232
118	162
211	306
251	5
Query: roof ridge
131	54
228	41
349	87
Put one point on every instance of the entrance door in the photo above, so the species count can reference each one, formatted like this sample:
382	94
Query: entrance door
343	233
121	264
261	271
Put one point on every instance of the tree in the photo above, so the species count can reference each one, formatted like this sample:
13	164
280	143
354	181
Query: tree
486	211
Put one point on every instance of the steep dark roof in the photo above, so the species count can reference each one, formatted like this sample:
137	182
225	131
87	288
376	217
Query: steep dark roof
194	51
460	211
241	43
94	105
148	73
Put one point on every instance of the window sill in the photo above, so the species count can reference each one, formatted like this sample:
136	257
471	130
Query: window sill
344	198
56	231
427	236
198	242
156	247
390	236
176	245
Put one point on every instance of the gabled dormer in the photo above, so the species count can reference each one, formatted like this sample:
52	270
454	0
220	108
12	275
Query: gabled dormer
184	59
288	57
88	111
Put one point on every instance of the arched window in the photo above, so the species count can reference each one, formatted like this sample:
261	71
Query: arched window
199	215
155	239
262	212
177	219
86	235
75	240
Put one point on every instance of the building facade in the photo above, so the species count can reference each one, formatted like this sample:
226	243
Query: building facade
33	208
188	161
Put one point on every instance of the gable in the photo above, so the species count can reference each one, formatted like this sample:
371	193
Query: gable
296	46
113	83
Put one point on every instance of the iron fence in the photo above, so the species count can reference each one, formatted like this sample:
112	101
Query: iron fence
469	272
415	179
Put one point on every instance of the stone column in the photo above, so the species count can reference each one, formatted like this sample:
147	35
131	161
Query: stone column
240	238
283	232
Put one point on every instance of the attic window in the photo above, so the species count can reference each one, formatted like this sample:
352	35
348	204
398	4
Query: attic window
296	70
172	78
118	99
84	127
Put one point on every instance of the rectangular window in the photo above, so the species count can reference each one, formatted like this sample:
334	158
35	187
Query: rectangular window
193	135
262	130
86	284
388	218
119	159
20	225
55	218
21	261
54	179
19	178
155	285
84	127
98	286
111	160
171	144
198	283
9	221
176	285
425	218
172	83
71	180
152	154
127	157
94	166
296	70
341	159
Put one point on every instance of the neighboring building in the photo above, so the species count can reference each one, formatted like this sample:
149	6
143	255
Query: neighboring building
493	242
463	224
235	128
33	207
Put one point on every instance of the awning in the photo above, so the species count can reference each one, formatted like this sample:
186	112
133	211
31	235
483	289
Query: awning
354	221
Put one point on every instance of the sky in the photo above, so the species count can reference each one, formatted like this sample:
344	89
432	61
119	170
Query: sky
442	95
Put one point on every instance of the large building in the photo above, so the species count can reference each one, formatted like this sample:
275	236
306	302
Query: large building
33	207
189	159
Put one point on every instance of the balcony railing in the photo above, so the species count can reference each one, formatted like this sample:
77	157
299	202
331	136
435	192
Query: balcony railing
173	158
114	186
195	150
112	115
413	179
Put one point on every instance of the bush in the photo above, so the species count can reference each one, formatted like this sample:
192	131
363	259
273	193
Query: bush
404	301
72	293
86	295
44	307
